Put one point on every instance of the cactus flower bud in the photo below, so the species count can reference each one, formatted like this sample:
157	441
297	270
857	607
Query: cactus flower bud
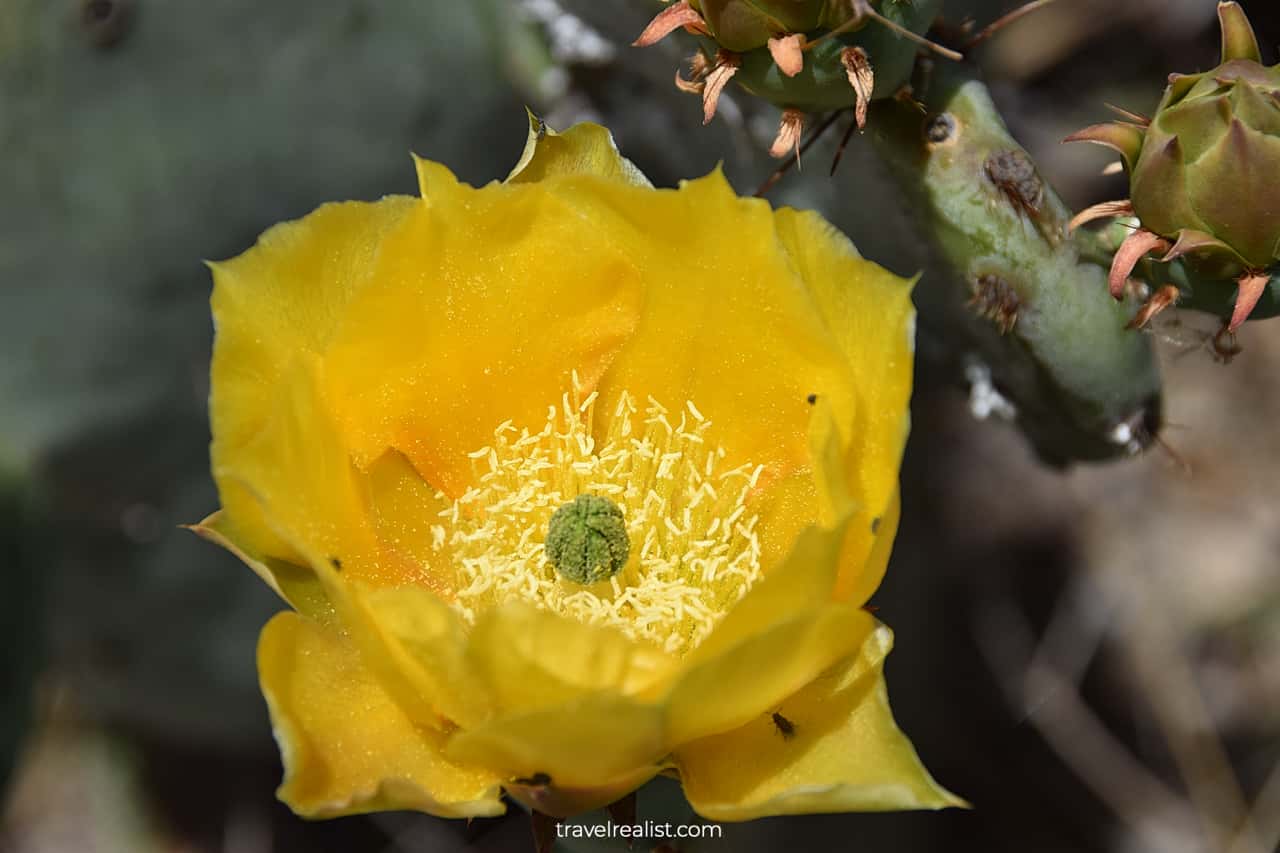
1201	170
1201	173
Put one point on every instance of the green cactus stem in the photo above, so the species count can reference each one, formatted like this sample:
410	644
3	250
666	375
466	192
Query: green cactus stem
1017	294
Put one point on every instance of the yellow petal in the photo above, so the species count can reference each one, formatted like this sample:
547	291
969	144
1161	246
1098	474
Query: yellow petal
777	639
563	700
732	689
347	747
299	484
726	324
404	508
781	311
416	644
532	659
844	752
282	299
317	502
835	498
476	318
297	585
857	587
585	148
298	472
869	532
802	582
516	659
868	313
586	743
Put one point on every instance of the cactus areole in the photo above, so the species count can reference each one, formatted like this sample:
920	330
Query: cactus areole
1201	176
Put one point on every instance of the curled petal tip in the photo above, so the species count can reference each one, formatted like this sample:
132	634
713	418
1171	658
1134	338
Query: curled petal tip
788	138
1120	136
1238	39
1180	85
1190	241
1251	286
726	65
1160	300
694	87
1168	156
1132	250
1101	211
672	18
699	68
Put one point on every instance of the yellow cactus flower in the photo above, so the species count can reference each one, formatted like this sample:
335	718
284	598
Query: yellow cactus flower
569	482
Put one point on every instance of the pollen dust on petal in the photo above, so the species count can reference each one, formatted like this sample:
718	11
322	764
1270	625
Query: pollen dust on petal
694	546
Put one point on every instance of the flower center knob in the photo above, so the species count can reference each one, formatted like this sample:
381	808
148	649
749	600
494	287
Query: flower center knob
587	539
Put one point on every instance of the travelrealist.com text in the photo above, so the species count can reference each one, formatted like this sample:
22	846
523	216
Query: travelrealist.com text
641	829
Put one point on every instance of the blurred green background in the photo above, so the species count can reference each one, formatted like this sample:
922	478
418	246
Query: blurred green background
1091	656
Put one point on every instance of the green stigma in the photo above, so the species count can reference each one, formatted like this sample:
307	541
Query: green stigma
587	540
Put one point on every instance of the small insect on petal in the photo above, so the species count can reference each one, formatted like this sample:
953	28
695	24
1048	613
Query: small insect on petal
785	727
